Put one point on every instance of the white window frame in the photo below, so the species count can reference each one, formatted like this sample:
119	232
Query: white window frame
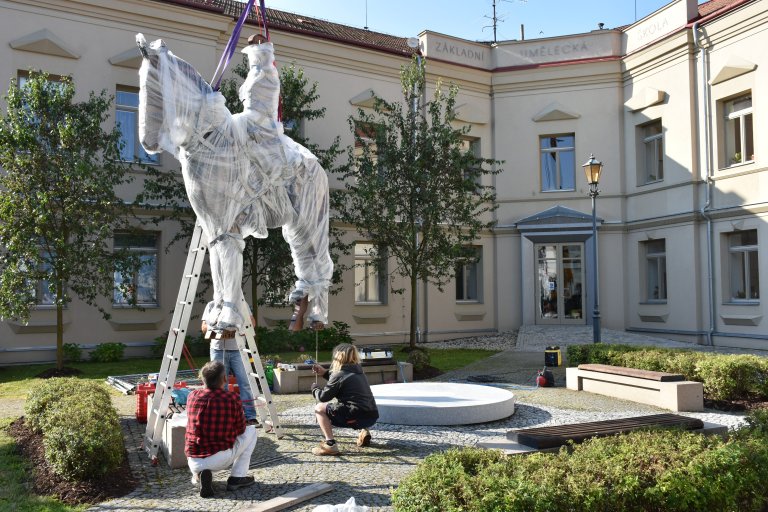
370	283
558	171
139	153
655	252
743	264
469	277
737	142
653	152
118	299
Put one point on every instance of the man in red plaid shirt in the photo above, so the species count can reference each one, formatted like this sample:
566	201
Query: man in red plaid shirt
217	436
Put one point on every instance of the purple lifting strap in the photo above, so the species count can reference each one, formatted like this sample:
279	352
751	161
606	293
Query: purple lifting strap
231	45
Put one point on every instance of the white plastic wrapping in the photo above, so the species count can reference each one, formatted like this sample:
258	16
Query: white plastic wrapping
241	172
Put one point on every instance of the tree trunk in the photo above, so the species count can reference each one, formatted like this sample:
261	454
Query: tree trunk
59	325
254	285
414	305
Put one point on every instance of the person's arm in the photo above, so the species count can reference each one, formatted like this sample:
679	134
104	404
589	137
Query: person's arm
237	416
331	389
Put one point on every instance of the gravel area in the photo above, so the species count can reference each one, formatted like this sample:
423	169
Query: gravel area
286	464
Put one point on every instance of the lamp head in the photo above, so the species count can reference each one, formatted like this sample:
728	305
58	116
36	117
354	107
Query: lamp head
592	169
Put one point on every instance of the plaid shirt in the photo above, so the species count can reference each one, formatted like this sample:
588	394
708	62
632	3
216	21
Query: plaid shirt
214	420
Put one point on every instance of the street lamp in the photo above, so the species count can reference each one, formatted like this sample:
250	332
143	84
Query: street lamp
592	170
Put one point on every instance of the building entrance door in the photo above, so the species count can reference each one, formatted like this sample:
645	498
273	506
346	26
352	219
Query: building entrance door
559	283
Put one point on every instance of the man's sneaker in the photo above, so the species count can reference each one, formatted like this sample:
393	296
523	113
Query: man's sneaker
364	439
326	449
236	482
206	483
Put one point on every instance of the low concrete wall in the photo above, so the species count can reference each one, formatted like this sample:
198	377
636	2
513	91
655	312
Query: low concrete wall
301	379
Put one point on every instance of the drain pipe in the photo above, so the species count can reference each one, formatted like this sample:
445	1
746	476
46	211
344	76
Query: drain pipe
704	117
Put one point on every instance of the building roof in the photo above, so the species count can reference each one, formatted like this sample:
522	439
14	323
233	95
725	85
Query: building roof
297	23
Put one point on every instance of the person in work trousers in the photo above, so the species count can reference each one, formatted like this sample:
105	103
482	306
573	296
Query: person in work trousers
217	436
355	406
224	348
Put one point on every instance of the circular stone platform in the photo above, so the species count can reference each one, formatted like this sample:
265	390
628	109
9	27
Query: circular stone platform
441	403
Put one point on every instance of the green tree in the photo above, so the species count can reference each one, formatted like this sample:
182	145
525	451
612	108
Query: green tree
410	187
58	209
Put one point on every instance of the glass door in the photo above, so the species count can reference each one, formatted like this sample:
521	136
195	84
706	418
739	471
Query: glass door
559	283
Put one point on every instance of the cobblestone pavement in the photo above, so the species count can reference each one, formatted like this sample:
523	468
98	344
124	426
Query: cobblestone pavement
369	474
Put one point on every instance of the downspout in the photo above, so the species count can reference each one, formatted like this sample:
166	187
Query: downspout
705	120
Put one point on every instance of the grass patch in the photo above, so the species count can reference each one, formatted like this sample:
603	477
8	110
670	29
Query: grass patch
15	381
14	493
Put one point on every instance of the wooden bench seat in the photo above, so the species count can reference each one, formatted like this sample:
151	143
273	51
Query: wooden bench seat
559	435
665	390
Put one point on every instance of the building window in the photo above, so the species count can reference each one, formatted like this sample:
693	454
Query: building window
469	276
655	270
370	283
142	284
127	114
653	153
558	162
744	268
739	145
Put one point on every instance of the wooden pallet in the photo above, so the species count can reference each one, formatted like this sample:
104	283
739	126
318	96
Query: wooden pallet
554	436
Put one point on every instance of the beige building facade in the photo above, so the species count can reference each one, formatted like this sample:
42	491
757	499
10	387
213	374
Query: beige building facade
671	105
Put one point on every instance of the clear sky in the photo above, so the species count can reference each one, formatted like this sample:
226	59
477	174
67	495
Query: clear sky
472	19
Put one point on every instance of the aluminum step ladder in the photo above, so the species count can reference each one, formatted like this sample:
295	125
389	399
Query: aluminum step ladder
166	377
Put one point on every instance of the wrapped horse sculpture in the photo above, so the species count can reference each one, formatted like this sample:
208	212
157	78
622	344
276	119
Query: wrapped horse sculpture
242	174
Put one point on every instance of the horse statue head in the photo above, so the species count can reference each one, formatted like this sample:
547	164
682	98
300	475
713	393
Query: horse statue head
173	97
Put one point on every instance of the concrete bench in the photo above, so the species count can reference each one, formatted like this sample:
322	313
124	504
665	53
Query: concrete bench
301	379
665	390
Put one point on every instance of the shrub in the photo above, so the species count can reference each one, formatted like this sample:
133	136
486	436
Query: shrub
43	398
72	352
727	377
645	470
82	438
108	353
419	358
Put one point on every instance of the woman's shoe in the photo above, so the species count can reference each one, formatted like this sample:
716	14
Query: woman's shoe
326	449
364	439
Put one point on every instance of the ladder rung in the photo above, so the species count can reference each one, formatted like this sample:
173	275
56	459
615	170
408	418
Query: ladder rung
184	302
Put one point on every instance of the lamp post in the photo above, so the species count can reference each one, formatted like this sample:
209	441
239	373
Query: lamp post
592	170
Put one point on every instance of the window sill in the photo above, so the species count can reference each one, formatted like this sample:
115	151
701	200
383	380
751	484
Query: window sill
742	302
654	302
736	166
654	182
555	191
136	307
461	302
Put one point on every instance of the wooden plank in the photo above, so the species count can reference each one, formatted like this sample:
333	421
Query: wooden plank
292	498
558	435
633	372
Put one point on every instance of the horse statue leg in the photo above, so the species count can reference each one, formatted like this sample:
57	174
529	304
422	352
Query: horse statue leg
307	234
226	257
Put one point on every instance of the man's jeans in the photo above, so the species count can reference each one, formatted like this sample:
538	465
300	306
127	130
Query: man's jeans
238	457
234	366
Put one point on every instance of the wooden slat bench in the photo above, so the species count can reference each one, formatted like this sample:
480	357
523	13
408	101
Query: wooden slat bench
558	435
665	390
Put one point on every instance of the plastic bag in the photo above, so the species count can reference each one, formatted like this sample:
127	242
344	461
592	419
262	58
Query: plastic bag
180	395
349	506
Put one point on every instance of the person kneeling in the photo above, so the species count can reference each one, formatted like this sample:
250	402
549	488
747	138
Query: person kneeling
355	405
217	436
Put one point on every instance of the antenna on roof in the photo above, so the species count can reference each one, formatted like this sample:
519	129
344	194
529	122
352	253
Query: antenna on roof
366	15
496	19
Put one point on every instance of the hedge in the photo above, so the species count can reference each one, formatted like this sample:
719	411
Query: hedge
724	376
43	398
666	470
80	426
